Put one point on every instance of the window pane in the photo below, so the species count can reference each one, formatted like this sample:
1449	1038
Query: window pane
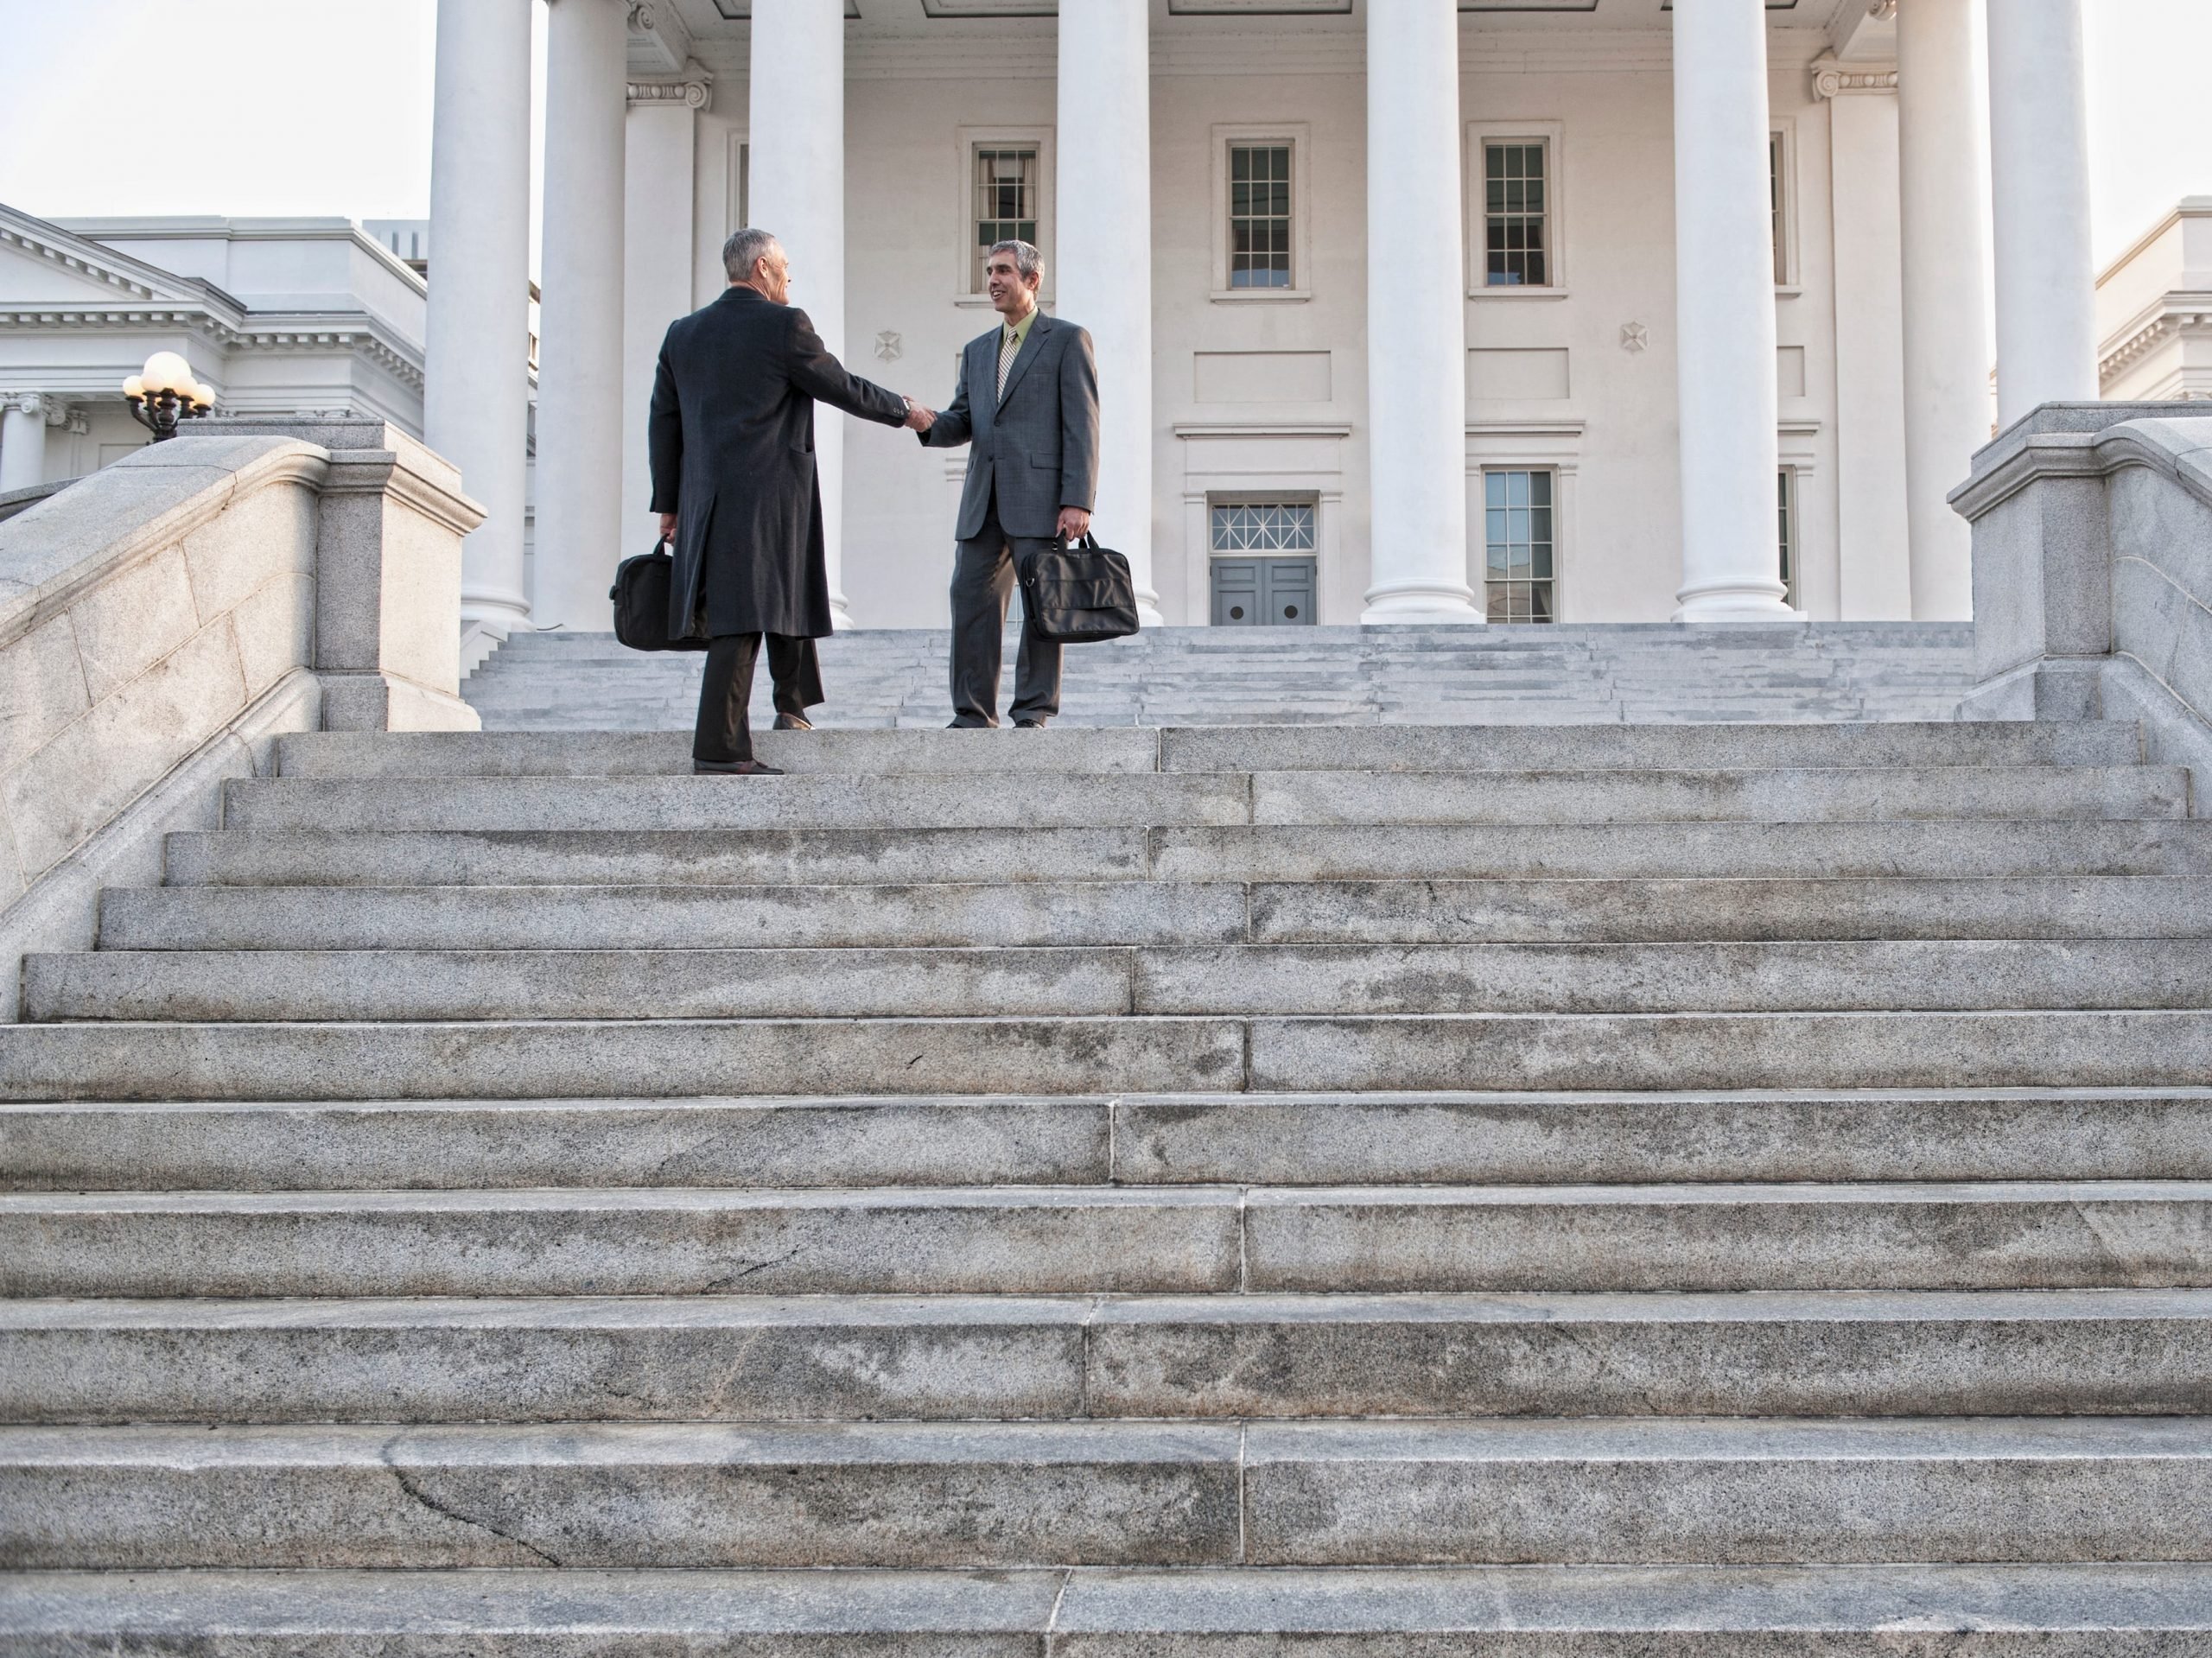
1006	200
1517	551
1259	216
1514	208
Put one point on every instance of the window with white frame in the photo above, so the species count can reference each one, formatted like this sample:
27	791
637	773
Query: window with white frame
1777	173
1519	574
1260	210
1516	213
1787	496
1008	199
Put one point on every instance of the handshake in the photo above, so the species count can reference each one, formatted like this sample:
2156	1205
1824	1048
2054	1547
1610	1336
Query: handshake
919	419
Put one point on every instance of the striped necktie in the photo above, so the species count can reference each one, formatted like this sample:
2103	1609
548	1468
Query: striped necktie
1008	349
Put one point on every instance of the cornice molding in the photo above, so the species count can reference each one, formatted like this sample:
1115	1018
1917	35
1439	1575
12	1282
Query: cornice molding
355	334
2180	315
1833	79
73	259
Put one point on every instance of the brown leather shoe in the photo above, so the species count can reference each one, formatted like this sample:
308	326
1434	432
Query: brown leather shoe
736	769
1036	724
793	722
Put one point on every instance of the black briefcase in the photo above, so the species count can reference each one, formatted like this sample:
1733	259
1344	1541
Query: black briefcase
640	595
1079	594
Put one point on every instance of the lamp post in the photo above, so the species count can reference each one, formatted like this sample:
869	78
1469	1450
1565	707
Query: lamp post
164	392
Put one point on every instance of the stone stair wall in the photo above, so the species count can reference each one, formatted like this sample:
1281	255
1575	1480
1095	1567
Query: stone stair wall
1228	676
1224	1192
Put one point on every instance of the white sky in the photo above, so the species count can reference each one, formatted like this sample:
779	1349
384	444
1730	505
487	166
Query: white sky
323	107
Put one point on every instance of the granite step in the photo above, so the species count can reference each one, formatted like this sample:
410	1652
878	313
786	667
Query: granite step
1030	914
1853	1353
744	857
1955	848
1170	1139
1076	800
1225	748
1061	1240
632	1058
765	982
1780	1491
1958	849
2050	1610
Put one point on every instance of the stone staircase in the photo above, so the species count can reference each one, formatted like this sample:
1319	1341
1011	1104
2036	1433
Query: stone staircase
1260	675
1283	1192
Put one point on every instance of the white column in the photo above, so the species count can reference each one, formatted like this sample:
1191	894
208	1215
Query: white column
661	160
1103	264
476	382
1724	311
22	441
2039	176
797	191
1943	209
1873	572
580	535
1416	317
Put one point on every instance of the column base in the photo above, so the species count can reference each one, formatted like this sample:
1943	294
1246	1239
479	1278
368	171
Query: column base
1421	603
1753	602
499	613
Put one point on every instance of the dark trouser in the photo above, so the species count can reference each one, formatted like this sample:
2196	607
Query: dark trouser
723	733
982	582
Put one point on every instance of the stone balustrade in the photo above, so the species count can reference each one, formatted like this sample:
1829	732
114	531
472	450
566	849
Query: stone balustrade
2093	572
163	620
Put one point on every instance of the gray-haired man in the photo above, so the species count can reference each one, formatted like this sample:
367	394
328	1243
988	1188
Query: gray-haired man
1028	400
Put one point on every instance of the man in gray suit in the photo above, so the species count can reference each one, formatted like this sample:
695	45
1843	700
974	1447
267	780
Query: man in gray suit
1028	400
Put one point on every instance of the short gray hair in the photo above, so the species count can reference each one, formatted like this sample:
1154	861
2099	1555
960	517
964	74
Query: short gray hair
746	248
1027	259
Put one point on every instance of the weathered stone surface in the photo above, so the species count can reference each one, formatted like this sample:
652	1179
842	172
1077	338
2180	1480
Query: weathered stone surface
645	753
677	1495
1756	851
1545	747
615	1059
1482	1138
943	915
1771	1354
1757	1050
42	688
705	857
2046	1611
655	1142
628	1358
1006	1240
824	800
1776	796
1726	1492
122	746
1990	1234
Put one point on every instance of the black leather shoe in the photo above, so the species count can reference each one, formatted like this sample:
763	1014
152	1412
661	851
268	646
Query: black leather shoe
736	769
1029	725
966	725
793	722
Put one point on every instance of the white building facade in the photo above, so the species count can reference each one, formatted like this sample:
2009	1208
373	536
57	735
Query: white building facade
1420	310
280	316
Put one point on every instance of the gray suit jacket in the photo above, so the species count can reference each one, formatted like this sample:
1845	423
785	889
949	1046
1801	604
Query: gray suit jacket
1038	451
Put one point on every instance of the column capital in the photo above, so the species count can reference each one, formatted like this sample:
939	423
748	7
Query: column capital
1882	11
695	91
43	406
1832	78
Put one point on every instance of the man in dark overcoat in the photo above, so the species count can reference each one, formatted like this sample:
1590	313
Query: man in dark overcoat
732	439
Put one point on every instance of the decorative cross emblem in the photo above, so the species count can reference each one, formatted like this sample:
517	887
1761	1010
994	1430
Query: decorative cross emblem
889	346
1634	337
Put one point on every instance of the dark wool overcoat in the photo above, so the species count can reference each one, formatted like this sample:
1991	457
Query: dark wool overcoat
732	436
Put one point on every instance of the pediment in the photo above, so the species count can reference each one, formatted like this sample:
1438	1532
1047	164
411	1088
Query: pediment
43	264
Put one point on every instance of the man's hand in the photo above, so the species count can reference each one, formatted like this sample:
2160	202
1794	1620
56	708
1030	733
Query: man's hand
919	419
1075	523
668	526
